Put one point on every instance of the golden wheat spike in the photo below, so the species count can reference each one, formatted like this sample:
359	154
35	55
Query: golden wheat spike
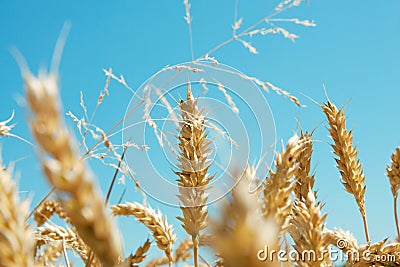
16	237
393	172
303	179
307	229
138	257
193	178
47	209
66	171
154	221
349	165
49	234
243	231
276	200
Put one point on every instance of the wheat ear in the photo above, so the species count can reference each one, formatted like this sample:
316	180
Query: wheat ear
307	230
16	238
349	165
50	254
138	257
393	172
344	240
193	178
154	221
243	231
276	200
307	224
47	209
378	254
303	179
66	171
48	235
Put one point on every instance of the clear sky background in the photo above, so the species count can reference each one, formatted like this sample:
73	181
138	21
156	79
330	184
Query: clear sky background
354	51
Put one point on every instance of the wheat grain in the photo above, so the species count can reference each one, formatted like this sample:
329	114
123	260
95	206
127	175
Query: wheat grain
67	173
228	98
248	45
349	165
154	221
16	238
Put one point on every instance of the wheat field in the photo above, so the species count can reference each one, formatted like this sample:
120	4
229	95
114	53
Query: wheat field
280	223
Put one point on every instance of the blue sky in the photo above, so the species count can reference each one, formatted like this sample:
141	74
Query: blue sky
354	51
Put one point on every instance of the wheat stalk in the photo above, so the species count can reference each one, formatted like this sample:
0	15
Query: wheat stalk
276	200
67	173
393	172
154	221
16	238
193	178
349	165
